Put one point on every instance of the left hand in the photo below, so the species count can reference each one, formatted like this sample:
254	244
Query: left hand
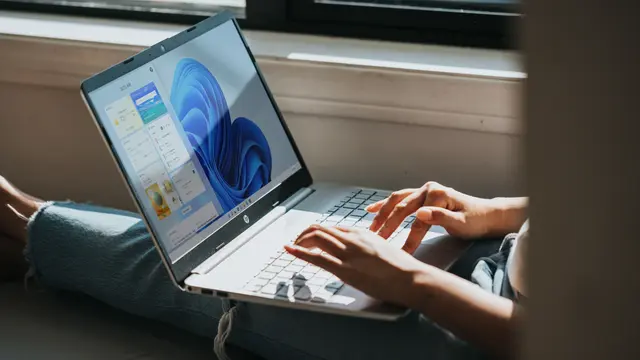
361	259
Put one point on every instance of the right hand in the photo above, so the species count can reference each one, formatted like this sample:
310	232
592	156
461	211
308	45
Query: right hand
461	215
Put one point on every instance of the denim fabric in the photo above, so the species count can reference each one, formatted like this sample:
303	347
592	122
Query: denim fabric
108	254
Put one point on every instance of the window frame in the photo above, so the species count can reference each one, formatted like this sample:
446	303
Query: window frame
440	26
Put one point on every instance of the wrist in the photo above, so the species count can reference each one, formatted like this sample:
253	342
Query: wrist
423	288
507	214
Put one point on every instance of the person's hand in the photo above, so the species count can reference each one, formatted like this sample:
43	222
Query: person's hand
361	259
434	204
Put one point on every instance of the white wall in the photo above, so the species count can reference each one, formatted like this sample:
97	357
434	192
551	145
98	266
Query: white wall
50	147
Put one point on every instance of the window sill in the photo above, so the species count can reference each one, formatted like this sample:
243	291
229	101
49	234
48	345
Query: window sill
461	88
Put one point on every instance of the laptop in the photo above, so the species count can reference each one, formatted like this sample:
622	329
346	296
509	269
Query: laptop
218	178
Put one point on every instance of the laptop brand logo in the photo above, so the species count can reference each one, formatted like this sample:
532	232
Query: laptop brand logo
246	219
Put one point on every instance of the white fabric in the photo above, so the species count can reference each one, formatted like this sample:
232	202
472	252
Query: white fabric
516	260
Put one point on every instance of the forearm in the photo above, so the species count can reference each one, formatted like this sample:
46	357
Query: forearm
483	319
508	214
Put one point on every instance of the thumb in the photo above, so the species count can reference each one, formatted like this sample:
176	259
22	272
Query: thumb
439	216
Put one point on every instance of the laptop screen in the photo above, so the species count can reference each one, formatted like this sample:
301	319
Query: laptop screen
197	136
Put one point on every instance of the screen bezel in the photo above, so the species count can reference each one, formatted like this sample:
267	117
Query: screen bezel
181	269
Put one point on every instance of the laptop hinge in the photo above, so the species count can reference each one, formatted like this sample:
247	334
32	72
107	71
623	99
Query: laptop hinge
278	211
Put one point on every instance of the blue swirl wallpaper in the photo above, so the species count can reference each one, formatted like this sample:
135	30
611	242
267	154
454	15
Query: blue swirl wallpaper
234	154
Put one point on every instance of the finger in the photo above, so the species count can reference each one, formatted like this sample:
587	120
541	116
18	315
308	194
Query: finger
343	234
328	263
441	217
403	209
418	230
322	240
310	229
329	230
388	206
375	207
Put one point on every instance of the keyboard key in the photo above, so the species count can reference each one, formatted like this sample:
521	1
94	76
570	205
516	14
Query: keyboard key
299	262
253	288
260	282
284	291
316	281
368	202
329	223
306	274
273	287
304	294
357	201
287	257
266	275
369	217
322	296
342	212
359	213
377	198
361	196
294	268
350	205
281	263
335	218
285	275
363	224
312	269
347	223
323	274
334	286
256	284
274	269
367	192
299	280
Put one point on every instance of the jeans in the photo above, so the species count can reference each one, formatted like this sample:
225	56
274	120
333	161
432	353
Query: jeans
108	254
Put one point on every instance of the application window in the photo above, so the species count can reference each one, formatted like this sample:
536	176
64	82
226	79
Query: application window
188	182
168	142
124	117
193	224
149	103
155	177
139	148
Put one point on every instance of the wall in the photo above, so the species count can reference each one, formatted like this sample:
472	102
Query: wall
404	129
582	145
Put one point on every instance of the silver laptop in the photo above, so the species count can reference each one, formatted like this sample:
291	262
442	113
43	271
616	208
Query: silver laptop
217	175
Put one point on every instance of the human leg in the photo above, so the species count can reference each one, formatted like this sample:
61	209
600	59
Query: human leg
108	255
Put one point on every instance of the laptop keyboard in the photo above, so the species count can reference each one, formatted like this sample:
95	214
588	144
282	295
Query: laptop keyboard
288	278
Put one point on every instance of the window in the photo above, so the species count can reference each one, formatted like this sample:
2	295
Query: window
183	11
482	23
486	23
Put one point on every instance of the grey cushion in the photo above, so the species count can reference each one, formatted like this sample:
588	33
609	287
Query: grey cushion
45	325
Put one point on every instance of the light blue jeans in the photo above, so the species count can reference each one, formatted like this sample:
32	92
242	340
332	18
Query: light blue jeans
108	255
